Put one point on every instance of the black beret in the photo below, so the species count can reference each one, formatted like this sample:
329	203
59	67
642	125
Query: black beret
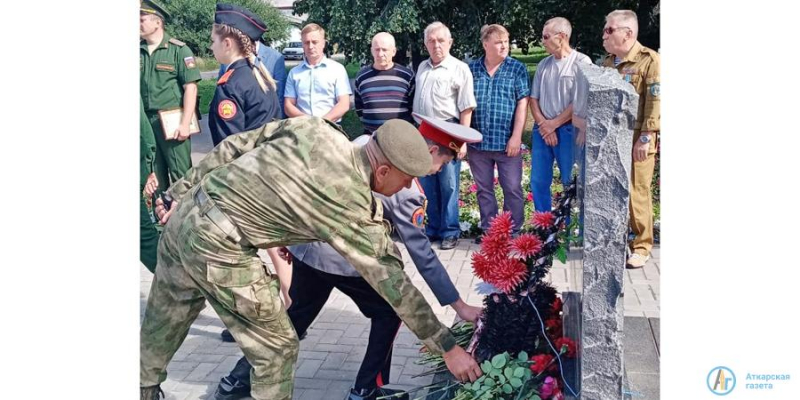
241	19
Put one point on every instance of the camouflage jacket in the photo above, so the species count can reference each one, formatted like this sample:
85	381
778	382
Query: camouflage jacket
301	180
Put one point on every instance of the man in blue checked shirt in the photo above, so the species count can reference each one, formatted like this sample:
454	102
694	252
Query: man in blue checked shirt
501	90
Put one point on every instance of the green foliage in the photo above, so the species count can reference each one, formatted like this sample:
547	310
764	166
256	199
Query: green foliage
192	19
406	20
205	89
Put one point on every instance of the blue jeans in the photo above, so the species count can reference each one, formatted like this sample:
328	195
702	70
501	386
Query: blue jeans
542	157
441	189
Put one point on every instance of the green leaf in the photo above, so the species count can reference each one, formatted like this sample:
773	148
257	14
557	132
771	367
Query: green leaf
486	367
501	379
509	372
507	389
519	372
522	356
499	361
491	383
561	254
515	382
535	397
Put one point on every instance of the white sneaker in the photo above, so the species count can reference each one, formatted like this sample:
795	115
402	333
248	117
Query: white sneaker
636	261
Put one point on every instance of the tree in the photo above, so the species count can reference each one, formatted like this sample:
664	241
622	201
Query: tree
192	19
350	24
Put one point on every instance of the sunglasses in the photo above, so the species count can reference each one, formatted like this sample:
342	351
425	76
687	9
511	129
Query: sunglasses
610	30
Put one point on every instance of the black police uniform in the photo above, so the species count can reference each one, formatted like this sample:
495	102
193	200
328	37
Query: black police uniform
239	104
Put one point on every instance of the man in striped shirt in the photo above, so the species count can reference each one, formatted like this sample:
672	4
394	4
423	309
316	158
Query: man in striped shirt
383	90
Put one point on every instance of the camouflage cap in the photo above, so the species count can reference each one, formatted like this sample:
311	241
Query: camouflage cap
404	147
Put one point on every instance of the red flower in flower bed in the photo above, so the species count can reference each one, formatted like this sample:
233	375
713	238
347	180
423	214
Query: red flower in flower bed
569	343
541	362
530	196
473	188
526	245
543	219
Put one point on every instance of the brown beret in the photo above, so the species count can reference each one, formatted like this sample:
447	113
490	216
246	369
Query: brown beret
404	147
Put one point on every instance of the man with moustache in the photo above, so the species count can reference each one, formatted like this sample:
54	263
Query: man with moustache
641	67
383	90
501	91
444	91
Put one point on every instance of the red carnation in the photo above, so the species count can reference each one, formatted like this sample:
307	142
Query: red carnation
553	327
543	219
541	362
562	342
526	245
557	305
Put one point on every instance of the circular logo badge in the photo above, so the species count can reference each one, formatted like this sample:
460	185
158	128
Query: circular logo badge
226	109
721	381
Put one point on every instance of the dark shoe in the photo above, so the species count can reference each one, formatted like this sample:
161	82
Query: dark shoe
479	239
230	388
449	243
226	336
151	393
433	238
373	394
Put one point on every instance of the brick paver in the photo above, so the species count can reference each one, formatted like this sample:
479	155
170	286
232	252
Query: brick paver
334	347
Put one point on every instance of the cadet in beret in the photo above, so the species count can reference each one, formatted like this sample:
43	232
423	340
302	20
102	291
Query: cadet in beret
318	269
289	182
245	97
168	80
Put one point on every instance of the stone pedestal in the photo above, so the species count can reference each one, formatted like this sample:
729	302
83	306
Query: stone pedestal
605	110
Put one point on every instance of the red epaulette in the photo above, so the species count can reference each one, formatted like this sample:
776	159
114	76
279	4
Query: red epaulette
224	78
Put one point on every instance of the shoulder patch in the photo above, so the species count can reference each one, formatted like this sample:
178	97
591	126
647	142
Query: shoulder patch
224	78
177	42
418	217
655	89
226	109
189	62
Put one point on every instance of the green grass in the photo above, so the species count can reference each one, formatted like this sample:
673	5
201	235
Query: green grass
352	70
207	63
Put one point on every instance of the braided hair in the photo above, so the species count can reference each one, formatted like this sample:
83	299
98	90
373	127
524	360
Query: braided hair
248	47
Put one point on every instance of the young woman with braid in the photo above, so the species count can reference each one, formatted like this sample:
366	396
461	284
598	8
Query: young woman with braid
245	97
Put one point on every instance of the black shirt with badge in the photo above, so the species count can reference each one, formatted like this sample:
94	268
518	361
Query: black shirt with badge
239	104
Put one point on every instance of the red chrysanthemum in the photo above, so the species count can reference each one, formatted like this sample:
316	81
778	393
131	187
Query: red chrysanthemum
506	274
495	247
501	225
543	219
563	342
557	305
526	245
481	265
540	363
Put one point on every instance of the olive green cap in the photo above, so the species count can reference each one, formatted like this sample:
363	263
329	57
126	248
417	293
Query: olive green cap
404	147
151	7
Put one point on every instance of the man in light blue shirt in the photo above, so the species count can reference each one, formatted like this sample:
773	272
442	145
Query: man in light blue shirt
318	86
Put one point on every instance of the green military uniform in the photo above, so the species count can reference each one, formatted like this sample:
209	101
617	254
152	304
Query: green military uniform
289	182
162	77
642	68
148	235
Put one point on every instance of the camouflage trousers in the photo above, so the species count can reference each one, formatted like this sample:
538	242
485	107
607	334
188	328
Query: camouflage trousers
196	262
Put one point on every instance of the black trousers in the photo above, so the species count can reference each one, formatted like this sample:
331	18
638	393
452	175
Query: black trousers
310	290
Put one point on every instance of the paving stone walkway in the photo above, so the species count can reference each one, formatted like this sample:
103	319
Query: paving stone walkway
331	353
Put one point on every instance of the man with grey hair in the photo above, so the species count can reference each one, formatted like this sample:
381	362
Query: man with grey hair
383	90
551	106
443	91
640	66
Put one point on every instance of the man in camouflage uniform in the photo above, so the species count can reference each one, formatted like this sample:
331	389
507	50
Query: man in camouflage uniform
168	80
641	67
293	181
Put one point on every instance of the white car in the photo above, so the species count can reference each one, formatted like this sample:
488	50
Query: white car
293	51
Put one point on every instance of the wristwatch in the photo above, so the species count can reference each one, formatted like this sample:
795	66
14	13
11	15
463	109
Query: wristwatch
645	138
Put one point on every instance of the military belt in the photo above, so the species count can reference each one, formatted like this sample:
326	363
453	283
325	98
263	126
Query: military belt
210	210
